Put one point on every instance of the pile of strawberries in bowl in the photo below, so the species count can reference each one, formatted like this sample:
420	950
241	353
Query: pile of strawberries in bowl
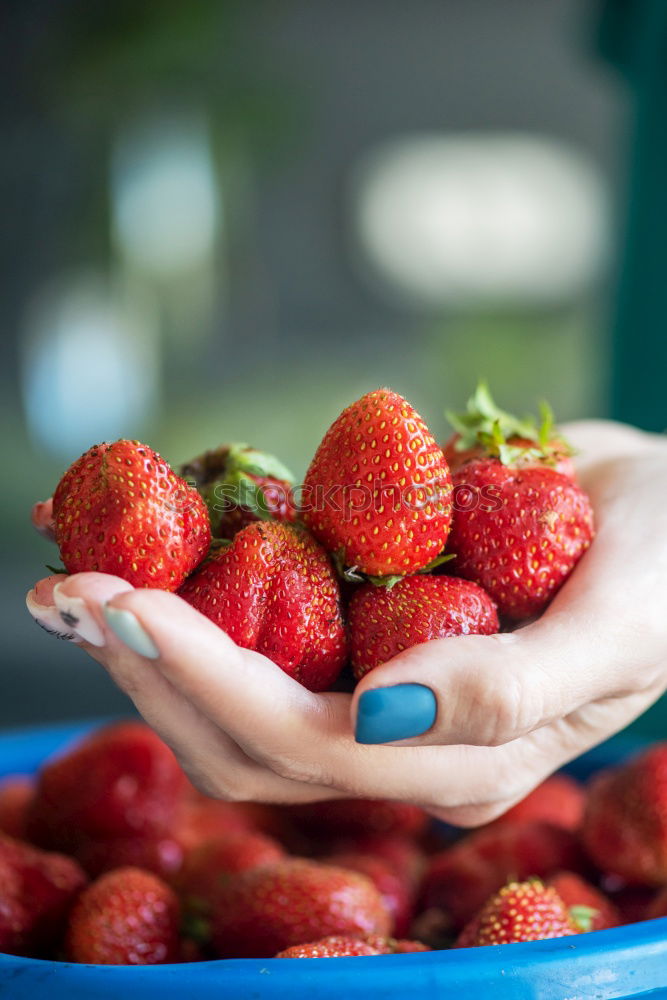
110	856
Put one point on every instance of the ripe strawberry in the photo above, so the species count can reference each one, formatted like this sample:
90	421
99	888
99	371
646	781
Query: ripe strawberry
240	485
207	865
207	819
658	906
191	951
518	532
126	917
274	590
485	431
16	793
265	910
520	911
384	621
44	885
122	781
625	822
392	946
401	853
461	877
14	920
577	892
121	509
158	853
378	491
334	946
397	893
353	817
559	800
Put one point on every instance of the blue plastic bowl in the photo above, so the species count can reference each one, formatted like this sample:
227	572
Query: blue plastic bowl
606	965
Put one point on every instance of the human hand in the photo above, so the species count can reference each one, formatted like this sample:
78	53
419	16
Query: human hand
504	711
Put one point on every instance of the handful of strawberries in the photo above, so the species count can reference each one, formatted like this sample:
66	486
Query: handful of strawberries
392	540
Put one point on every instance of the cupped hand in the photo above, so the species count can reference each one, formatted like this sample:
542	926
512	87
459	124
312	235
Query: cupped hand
485	718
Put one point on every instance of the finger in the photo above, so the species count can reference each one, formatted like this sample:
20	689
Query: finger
490	690
41	516
212	759
304	738
301	736
40	604
535	756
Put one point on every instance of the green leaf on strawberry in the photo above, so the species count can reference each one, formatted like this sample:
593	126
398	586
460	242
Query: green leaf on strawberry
583	917
499	434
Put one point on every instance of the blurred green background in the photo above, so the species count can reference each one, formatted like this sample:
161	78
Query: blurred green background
226	220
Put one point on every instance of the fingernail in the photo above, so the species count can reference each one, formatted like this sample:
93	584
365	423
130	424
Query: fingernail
126	626
75	614
395	713
49	619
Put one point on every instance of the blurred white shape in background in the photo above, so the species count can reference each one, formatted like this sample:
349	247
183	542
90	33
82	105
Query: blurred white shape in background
165	207
90	365
481	219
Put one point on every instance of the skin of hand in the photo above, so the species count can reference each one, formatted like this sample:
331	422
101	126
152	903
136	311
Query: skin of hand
511	708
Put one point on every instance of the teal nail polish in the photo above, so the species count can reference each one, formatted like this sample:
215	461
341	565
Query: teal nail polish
395	713
126	626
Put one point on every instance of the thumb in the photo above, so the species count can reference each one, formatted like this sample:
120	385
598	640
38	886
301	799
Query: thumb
489	690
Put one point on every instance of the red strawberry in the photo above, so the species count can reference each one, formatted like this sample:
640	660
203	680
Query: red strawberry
384	621
158	853
396	890
334	946
120	782
392	946
352	817
121	509
207	865
576	892
401	853
126	917
240	485
559	800
191	951
44	885
265	910
520	911
485	431
518	532
658	906
207	819
461	877
274	590
197	821
12	922
378	491
16	793
625	822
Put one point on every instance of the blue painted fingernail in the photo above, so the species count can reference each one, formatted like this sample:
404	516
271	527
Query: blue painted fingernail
126	626
395	713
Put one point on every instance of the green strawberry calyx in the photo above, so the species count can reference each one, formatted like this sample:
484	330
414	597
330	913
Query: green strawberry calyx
505	436
352	574
230	476
582	917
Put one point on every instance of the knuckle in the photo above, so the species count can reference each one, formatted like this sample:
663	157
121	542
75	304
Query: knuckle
502	708
297	769
228	785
